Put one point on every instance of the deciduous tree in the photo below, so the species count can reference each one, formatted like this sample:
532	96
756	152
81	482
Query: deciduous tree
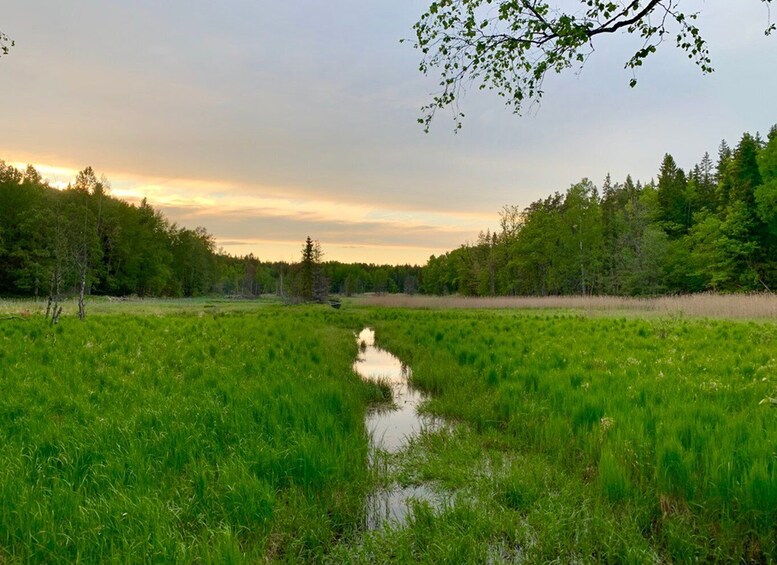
510	46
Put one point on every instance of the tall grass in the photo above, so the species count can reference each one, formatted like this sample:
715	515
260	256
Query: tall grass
656	425
220	436
180	438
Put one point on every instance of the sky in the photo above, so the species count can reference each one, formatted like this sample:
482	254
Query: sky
267	122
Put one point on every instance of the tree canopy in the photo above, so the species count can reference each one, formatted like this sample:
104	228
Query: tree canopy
509	46
713	228
59	238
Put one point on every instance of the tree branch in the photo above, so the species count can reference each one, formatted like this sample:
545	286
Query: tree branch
5	44
631	21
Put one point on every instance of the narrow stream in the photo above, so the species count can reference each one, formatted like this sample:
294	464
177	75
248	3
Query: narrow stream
391	428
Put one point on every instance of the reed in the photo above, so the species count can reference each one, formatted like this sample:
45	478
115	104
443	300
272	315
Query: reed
709	305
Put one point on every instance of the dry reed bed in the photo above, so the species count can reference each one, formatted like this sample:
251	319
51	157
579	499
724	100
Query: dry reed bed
694	305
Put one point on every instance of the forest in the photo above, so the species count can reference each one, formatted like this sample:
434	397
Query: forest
710	228
51	240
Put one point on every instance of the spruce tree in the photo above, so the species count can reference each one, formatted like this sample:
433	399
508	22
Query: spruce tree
672	198
307	267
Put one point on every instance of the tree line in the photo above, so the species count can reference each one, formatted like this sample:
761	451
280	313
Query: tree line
54	241
710	228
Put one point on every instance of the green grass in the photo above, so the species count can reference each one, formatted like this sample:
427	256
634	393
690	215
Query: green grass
601	439
180	438
210	431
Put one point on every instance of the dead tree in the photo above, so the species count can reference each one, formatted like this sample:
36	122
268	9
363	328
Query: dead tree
81	307
53	307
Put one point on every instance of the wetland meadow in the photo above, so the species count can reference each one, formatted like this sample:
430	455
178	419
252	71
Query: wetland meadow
238	432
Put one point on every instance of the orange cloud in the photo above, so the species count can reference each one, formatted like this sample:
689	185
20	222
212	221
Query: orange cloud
192	202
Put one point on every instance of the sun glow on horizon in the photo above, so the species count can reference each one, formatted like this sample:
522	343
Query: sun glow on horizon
289	251
353	231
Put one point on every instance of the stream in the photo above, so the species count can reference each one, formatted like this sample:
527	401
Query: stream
391	429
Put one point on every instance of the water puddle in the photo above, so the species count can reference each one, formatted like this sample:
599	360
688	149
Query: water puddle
391	429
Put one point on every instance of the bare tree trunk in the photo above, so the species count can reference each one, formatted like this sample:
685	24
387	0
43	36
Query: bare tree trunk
81	308
56	314
53	308
51	298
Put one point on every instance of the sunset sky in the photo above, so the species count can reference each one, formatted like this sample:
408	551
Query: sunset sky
267	122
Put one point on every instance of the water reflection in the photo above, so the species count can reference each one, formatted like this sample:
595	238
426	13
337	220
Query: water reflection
393	504
391	427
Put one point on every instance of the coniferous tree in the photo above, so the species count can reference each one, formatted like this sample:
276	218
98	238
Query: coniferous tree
743	171
723	177
766	209
307	268
705	184
672	199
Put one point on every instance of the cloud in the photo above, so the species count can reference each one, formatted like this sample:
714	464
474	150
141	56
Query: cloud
299	117
243	220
